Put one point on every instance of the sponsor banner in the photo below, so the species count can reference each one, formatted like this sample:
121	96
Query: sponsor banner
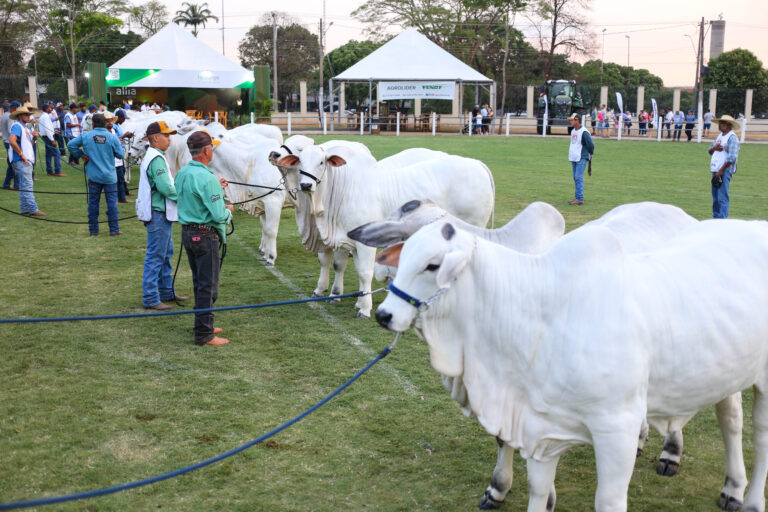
620	102
412	90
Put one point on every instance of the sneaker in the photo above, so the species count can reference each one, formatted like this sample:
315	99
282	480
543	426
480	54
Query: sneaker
216	341
160	306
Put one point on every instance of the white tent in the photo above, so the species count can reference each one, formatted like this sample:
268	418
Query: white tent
175	58
411	57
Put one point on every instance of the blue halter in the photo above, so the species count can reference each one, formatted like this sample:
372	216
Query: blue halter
413	301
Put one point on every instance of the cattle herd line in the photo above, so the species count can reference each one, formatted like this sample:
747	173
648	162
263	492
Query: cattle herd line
641	317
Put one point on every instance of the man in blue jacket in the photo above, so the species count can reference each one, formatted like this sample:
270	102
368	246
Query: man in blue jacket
101	148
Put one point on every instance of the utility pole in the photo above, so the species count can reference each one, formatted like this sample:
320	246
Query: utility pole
274	62
699	85
320	107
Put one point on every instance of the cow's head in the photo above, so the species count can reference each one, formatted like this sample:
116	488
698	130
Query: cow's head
428	264
400	225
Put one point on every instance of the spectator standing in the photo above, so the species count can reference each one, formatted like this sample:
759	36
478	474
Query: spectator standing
60	128
102	107
475	115
48	134
145	107
627	122
126	105
484	120
203	218
707	122
643	123
22	157
156	207
593	119
86	123
668	122
579	154
601	121
81	114
725	153
679	119
122	186
7	122
72	124
690	121
101	148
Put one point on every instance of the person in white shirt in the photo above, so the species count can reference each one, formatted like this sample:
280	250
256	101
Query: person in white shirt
72	124
144	107
48	134
707	122
87	122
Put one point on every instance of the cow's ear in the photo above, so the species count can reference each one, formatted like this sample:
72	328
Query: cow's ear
390	256
450	268
336	161
380	233
289	161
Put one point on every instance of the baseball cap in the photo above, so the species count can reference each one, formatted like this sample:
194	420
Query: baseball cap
119	113
159	127
92	107
72	106
201	139
15	103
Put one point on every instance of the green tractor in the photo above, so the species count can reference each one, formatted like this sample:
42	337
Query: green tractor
563	98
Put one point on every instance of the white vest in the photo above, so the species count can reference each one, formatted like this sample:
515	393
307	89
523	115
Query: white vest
144	200
574	152
25	143
718	157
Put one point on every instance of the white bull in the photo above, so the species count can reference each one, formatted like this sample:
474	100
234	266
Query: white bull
577	345
348	188
638	226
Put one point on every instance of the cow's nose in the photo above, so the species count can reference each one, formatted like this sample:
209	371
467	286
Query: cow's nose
383	317
306	187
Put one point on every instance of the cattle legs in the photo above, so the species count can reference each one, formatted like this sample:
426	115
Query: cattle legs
541	485
755	500
669	461
731	419
339	259
501	481
615	453
364	257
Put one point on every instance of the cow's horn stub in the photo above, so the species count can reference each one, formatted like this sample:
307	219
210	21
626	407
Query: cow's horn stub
410	206
448	231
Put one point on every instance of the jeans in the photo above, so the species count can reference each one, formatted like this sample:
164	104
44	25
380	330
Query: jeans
669	132
202	248
720	199
578	178
689	131
678	130
62	144
157	282
52	153
24	181
10	174
94	198
72	160
121	187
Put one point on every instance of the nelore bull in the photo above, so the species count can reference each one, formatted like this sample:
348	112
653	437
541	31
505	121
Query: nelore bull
578	345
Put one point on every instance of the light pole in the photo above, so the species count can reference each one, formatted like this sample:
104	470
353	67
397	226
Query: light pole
602	59
696	53
627	36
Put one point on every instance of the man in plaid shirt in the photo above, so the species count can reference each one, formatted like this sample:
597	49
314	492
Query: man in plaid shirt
725	153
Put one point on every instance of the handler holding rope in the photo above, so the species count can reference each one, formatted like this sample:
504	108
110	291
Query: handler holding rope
203	217
156	207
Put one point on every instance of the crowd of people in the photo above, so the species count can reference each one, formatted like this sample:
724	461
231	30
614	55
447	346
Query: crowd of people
605	123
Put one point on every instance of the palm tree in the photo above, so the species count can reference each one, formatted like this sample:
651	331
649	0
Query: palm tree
194	15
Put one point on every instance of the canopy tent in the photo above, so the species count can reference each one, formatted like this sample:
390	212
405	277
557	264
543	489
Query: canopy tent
175	58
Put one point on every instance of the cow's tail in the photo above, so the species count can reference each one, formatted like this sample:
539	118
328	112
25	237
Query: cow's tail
493	193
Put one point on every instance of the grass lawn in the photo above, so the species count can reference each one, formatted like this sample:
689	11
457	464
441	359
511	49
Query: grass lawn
92	404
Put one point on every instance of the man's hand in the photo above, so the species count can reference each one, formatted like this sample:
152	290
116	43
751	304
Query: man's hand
55	144
718	147
86	160
223	182
230	208
35	133
127	135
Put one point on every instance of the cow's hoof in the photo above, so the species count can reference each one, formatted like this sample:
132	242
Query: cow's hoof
488	503
360	315
667	467
268	263
639	452
334	301
729	502
316	295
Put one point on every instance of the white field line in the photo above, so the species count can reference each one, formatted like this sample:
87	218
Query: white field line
408	387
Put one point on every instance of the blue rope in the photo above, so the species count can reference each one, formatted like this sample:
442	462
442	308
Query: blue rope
169	313
166	476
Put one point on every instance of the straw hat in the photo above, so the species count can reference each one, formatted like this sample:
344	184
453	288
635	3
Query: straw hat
735	125
20	111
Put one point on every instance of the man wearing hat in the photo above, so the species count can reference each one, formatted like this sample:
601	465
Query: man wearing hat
156	207
579	154
48	134
101	148
203	218
87	122
72	124
114	127
22	157
722	165
10	174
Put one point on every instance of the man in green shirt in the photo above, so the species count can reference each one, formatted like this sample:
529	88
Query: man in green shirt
203	218
156	207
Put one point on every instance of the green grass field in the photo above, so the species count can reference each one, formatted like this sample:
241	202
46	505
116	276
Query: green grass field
93	404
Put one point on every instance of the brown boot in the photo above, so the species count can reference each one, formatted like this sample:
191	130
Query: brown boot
218	330
216	341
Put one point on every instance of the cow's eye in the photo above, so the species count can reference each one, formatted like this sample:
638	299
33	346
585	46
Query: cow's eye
432	267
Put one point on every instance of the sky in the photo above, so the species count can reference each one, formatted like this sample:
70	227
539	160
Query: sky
656	28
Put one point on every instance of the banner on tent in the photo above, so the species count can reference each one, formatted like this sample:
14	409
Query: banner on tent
412	90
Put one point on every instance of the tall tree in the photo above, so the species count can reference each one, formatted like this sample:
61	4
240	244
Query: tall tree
562	26
736	69
68	24
150	17
194	15
297	50
15	34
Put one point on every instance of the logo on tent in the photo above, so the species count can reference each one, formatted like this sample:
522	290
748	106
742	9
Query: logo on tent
113	74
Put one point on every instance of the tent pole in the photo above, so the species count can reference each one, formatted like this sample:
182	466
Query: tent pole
330	99
370	107
461	105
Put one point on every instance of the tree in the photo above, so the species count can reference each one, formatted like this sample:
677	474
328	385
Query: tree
297	51
738	69
346	56
561	25
150	17
15	33
194	15
69	24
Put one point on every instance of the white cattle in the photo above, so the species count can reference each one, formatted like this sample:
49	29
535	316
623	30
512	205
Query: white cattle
579	344
638	226
138	126
347	189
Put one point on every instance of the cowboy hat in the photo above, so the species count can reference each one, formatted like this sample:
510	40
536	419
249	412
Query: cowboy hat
728	119
20	112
